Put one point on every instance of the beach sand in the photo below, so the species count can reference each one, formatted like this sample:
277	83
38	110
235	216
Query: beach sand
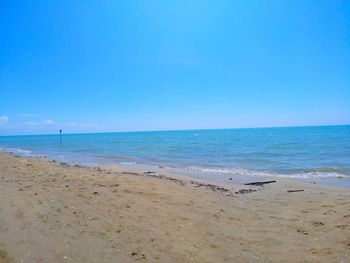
59	213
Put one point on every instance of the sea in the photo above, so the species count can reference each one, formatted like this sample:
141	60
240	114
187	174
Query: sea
319	154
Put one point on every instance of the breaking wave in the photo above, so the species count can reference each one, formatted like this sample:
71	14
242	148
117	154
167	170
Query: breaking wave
19	151
291	173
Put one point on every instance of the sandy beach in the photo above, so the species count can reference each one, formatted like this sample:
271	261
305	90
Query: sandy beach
51	212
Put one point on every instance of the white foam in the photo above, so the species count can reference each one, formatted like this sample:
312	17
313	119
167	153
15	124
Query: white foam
246	172
237	171
128	163
307	175
18	151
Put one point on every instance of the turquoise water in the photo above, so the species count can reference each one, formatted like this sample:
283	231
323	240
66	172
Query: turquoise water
300	152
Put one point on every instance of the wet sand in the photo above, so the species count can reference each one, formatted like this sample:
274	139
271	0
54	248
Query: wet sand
59	213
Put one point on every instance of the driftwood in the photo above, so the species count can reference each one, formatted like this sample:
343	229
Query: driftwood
245	191
261	183
293	191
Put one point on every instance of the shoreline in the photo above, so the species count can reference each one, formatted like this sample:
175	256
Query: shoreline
182	179
62	213
231	180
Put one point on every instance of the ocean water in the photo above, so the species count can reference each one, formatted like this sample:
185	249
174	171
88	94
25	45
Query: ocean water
310	153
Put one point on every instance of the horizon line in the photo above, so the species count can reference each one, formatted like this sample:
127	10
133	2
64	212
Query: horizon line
201	129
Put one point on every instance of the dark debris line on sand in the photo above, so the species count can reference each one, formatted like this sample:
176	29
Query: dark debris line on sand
212	187
215	188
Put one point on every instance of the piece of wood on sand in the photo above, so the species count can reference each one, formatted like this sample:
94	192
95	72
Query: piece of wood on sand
261	183
294	191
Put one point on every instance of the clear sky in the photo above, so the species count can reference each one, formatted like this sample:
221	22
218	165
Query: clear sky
89	66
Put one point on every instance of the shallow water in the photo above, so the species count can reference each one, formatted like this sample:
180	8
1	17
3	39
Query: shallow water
300	152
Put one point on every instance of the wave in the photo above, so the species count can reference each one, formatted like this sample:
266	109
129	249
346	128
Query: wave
307	173
17	151
21	152
128	163
292	173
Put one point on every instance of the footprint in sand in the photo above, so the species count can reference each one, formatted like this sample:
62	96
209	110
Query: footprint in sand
317	223
342	226
4	257
301	231
324	251
138	255
327	206
329	211
347	243
19	214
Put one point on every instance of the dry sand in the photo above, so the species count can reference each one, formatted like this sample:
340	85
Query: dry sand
52	213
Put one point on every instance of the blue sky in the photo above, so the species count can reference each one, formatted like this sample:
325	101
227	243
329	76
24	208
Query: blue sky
91	66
